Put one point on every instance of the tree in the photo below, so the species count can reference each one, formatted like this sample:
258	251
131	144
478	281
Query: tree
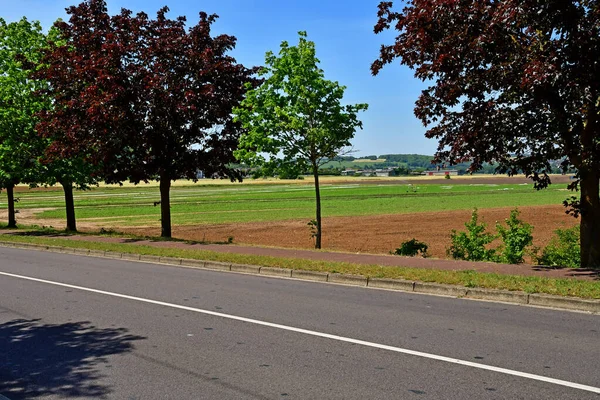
23	97
513	82
295	117
20	147
144	99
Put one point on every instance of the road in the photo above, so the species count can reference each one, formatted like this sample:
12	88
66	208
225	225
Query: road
79	327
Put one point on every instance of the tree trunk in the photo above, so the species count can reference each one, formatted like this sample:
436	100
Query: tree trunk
10	194
69	206
165	206
318	201
590	220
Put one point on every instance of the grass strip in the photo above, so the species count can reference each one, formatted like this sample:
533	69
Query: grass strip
468	278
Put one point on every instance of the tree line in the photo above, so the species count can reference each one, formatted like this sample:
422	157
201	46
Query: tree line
127	97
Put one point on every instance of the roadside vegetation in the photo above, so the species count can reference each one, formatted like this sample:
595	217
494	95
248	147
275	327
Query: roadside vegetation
528	284
516	242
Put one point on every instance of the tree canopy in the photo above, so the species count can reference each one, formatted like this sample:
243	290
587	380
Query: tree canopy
511	81
144	98
295	118
20	146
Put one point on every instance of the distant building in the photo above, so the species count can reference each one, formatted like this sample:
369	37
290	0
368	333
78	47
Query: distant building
368	172
442	172
384	172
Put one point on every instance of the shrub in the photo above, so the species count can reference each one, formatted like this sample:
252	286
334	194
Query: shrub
471	245
412	248
516	237
564	249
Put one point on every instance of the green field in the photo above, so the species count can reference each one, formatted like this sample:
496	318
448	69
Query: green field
208	204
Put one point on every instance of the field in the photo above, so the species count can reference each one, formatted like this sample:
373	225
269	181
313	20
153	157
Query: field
360	215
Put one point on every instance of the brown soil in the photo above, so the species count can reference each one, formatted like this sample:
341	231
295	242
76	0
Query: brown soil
369	234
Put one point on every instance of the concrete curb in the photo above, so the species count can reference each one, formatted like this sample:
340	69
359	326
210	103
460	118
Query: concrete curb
503	296
310	275
219	266
344	279
442	290
392	284
246	269
568	303
280	272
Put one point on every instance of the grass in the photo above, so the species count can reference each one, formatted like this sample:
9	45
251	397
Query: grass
213	204
562	287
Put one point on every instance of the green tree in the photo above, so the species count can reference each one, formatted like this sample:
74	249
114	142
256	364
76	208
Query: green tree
26	156
296	117
20	146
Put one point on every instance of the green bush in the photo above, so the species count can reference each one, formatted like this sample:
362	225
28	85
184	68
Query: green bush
412	248
516	237
471	245
564	249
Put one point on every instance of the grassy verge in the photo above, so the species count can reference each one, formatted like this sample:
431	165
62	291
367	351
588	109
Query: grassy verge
562	287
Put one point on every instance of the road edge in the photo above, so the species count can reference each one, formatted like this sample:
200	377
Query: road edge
493	295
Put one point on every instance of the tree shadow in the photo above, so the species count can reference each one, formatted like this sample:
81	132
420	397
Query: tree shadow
583	272
573	272
172	240
65	360
48	233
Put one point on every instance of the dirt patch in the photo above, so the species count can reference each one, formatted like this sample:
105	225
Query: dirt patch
27	216
369	234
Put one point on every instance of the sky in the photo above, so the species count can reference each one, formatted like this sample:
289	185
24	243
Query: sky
345	43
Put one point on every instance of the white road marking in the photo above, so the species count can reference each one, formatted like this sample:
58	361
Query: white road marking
323	335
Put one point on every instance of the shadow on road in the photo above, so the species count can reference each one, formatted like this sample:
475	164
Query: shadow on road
65	360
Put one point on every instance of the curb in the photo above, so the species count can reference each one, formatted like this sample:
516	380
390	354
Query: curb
502	296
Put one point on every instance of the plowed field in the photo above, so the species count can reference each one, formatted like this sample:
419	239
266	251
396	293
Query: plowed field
371	234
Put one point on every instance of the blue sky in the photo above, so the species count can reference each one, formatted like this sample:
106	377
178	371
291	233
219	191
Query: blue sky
346	45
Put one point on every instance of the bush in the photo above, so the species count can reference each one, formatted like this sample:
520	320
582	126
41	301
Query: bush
471	245
516	237
412	248
564	249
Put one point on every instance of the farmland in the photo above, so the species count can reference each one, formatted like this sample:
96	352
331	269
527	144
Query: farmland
360	214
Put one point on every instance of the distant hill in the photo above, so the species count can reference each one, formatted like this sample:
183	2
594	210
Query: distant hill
411	162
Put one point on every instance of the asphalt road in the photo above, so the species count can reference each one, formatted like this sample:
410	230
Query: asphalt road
103	328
